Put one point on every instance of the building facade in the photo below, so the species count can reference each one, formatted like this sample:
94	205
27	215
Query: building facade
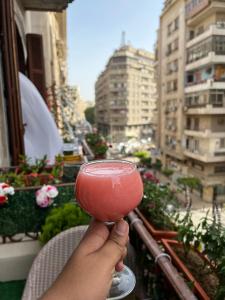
125	95
204	108
192	91
170	75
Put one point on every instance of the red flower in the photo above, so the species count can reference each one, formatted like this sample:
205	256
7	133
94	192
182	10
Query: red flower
33	174
148	176
3	199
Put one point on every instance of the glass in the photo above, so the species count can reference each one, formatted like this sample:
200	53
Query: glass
108	190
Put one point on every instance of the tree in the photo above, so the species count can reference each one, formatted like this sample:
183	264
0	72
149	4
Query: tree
90	114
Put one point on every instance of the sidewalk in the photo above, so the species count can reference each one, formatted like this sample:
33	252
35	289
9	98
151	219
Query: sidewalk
199	207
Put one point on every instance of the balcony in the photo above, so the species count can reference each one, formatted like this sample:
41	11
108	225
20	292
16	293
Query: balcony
204	157
205	85
203	10
205	150
211	58
207	109
216	29
43	5
203	133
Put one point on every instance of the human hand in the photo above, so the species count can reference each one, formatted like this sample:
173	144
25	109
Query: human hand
88	273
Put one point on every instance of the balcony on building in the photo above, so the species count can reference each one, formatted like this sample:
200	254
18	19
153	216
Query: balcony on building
198	35
205	78
209	51
196	11
208	150
207	102
46	5
205	126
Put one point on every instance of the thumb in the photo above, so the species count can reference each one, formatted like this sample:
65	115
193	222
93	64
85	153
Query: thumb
113	249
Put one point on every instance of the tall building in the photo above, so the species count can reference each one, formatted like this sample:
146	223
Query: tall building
126	95
170	74
191	83
204	108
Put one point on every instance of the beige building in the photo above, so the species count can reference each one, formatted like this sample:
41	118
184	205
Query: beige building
205	94
73	108
126	95
197	147
170	74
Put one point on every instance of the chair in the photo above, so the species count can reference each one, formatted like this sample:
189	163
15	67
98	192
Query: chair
52	258
50	262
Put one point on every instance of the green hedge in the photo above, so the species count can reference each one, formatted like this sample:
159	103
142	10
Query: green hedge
21	214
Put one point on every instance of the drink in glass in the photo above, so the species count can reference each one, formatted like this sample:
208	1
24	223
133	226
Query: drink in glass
108	190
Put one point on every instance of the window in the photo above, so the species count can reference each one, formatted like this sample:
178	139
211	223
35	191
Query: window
220	169
222	143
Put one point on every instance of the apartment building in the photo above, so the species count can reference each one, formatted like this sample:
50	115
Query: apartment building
199	148
204	108
126	95
170	81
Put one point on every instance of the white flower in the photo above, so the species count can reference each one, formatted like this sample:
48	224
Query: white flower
6	189
9	190
52	191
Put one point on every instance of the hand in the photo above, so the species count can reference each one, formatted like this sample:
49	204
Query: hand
88	273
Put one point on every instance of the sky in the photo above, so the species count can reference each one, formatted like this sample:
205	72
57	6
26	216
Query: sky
95	31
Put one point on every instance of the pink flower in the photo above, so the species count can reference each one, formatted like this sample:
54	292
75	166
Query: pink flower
45	195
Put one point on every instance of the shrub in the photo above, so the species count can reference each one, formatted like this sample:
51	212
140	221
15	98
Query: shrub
155	204
190	182
63	218
157	165
141	154
167	172
146	161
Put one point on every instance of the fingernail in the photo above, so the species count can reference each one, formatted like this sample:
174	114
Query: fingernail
121	228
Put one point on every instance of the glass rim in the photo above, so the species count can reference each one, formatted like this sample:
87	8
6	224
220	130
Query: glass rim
134	166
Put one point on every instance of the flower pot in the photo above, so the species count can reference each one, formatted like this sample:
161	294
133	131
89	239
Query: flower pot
100	156
157	234
197	288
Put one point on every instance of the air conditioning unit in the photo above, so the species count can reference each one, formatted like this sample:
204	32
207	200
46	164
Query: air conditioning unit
185	108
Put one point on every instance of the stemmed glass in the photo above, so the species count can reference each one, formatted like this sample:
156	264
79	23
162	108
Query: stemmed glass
108	190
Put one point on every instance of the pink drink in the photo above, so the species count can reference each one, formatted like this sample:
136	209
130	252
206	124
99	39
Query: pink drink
109	190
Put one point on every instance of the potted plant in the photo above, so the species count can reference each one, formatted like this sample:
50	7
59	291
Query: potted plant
157	208
97	144
199	254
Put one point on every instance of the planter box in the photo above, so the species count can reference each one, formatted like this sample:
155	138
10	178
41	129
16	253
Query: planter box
198	289
157	234
22	215
16	259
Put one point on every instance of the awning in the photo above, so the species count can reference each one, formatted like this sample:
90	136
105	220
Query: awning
46	5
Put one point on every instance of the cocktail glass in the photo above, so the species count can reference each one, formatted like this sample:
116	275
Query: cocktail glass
108	190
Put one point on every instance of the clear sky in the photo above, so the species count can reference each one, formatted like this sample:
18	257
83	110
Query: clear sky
94	32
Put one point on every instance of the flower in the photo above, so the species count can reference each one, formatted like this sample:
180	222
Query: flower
148	176
45	196
5	189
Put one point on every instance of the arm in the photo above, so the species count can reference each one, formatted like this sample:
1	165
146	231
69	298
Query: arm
88	273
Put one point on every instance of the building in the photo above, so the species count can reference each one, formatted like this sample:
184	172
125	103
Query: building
33	34
204	108
170	74
191	84
72	111
126	95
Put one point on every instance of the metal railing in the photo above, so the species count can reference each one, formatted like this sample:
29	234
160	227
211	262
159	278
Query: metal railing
161	258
